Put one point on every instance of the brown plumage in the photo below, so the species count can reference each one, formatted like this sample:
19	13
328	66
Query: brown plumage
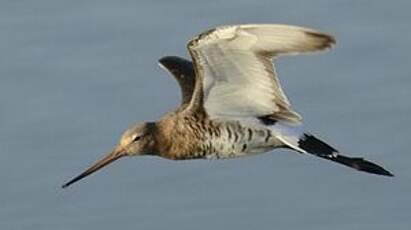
232	101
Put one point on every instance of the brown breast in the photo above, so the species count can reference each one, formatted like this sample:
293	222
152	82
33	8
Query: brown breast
179	136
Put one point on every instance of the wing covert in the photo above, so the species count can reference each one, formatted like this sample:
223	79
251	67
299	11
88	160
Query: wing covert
236	77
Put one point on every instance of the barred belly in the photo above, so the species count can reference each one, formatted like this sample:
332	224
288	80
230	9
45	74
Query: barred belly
233	139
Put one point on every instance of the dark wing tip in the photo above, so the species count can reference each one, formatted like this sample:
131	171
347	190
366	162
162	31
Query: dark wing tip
322	40
370	167
177	65
321	149
171	60
363	165
183	72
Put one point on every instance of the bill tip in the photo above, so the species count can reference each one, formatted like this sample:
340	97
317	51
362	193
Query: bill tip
65	185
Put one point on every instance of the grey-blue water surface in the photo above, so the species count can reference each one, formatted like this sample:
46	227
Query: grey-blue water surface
75	74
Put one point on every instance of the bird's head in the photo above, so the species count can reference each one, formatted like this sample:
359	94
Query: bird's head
136	140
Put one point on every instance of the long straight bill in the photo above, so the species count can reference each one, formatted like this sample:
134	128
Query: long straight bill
114	155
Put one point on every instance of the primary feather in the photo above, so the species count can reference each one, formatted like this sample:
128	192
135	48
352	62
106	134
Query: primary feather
236	77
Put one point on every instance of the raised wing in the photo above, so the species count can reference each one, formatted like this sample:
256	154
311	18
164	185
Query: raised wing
183	72
235	73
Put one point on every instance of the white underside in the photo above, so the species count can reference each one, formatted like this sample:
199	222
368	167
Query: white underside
290	135
280	134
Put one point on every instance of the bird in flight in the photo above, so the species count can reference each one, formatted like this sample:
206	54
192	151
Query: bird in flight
232	101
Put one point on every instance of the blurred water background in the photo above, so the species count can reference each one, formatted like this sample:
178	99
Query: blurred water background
75	74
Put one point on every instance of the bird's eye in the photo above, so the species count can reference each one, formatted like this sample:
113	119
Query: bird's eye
136	138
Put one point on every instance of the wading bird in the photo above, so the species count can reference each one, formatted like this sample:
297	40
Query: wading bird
232	101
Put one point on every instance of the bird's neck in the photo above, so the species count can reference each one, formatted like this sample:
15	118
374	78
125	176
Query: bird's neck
174	135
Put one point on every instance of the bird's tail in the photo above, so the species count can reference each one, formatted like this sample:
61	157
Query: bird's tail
319	148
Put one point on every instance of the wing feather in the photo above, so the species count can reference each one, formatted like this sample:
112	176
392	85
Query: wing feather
183	72
236	77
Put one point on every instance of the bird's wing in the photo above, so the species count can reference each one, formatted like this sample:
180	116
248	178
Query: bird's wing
235	73
183	72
